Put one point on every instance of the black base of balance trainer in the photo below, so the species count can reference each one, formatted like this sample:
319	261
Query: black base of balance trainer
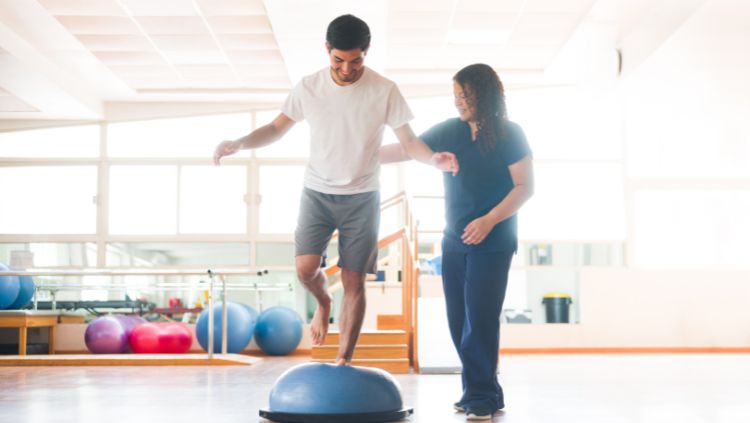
389	416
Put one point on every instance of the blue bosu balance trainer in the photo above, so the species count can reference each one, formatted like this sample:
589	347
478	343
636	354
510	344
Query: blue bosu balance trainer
320	392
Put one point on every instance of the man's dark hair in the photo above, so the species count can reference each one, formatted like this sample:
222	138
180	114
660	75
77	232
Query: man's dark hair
348	32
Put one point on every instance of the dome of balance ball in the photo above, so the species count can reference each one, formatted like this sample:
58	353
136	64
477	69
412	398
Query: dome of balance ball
321	392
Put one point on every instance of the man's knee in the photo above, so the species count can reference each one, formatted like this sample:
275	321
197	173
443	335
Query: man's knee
307	268
353	282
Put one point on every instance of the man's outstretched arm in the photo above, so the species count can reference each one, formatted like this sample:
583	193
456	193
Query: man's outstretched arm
260	137
415	148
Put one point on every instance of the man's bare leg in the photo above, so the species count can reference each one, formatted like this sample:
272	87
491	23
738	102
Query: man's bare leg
314	280
352	314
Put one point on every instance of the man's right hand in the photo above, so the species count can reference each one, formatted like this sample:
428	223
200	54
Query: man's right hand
225	148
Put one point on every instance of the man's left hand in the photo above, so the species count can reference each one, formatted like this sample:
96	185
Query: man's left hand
445	161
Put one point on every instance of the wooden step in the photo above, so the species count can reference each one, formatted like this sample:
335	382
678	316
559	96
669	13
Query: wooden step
363	351
378	337
390	322
391	365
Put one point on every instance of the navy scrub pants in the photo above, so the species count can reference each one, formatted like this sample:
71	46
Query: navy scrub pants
474	285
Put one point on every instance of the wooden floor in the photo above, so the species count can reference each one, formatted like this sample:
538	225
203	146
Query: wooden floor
658	388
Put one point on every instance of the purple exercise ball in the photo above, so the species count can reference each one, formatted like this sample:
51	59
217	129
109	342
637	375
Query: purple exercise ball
129	323
106	335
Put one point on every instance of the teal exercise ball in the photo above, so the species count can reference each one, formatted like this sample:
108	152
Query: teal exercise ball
25	293
9	289
239	328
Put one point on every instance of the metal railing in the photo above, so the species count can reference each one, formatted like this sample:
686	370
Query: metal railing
212	274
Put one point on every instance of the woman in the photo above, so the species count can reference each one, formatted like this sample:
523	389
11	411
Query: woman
480	237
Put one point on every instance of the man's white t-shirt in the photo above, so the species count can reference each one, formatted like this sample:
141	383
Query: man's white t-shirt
346	128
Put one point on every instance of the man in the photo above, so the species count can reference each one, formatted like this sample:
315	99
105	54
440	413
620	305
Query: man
347	106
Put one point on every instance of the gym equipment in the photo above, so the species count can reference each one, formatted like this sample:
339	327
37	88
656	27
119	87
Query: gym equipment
322	392
25	293
129	323
175	338
161	338
239	328
105	335
278	330
9	288
145	339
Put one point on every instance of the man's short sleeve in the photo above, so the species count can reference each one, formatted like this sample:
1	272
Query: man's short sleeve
293	105
515	147
399	113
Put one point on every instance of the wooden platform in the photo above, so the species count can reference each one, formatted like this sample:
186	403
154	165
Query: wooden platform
129	360
384	349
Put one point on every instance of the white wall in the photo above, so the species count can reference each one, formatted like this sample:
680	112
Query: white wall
650	309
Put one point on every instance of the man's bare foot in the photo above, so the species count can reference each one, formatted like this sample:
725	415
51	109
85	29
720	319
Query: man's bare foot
319	324
342	362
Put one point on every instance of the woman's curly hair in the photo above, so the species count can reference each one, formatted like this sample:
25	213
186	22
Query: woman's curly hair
485	93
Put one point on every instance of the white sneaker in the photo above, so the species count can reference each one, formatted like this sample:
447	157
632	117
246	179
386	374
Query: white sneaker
480	414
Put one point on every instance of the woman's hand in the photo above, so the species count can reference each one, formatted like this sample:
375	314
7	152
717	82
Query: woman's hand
476	231
445	161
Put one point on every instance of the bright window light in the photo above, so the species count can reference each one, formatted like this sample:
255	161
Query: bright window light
182	137
143	200
563	124
295	143
74	141
212	199
280	188
48	200
575	202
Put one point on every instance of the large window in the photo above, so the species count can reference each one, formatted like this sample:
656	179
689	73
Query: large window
48	200
212	199
74	141
294	144
183	137
280	189
143	200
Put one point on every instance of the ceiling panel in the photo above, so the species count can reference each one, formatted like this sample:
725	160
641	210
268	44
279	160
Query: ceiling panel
232	7
83	7
98	24
159	7
172	25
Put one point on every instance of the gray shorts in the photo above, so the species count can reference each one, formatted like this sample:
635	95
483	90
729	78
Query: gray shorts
356	216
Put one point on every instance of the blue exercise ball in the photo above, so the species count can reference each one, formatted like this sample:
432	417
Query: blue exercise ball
239	328
278	330
253	318
327	392
25	293
9	288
